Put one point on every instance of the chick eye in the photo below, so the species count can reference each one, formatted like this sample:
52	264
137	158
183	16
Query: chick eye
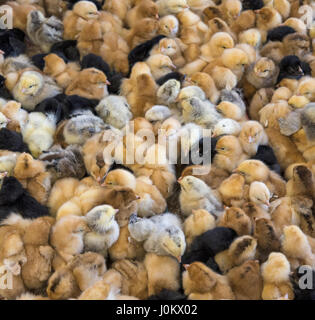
223	148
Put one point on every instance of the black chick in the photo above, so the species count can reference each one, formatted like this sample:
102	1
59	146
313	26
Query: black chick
278	33
12	42
267	155
53	107
4	92
75	105
15	199
172	75
166	294
38	60
142	51
115	78
209	244
252	4
67	50
12	141
291	67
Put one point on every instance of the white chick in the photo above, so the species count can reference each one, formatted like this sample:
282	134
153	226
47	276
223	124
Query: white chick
259	194
169	26
196	194
39	132
32	88
105	229
200	112
189	92
114	110
158	113
3	120
171	6
168	92
82	127
226	126
162	234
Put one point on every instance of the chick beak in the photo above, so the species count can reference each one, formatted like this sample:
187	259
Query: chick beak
137	197
186	266
107	82
2	52
179	259
186	6
172	66
3	174
300	71
179	179
250	139
267	203
157	16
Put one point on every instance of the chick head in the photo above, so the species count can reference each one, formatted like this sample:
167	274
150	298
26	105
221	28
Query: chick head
168	26
226	126
40	141
30	83
259	193
161	62
298	102
149	9
253	170
120	177
229	110
54	65
193	186
138	69
221	41
242	249
233	7
176	6
234	58
251	132
168	47
265	15
189	92
228	146
3	120
251	37
264	67
276	269
173	242
87	10
94	76
101	218
306	88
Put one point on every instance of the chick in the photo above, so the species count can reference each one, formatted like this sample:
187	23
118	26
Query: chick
236	219
200	282
42	31
90	83
82	127
246	281
275	272
229	153
252	136
296	247
105	230
171	7
75	19
226	126
38	132
230	110
162	234
151	201
145	9
32	87
197	223
67	236
169	26
195	194
241	250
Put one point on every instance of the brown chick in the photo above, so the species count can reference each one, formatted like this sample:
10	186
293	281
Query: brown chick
229	153
246	281
62	72
267	238
246	20
197	223
144	9
206	83
143	30
134	278
90	83
200	282
27	167
114	51
163	273
118	8
235	218
67	236
126	247
259	100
